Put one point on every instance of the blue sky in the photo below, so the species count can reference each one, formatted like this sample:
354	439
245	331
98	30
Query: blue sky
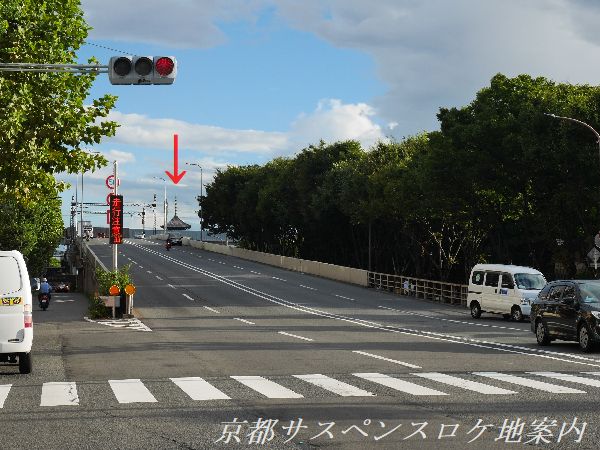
264	78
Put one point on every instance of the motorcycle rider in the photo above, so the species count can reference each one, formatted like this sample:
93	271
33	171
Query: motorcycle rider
45	289
169	244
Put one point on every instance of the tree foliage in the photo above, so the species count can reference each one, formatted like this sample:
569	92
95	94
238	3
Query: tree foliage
499	182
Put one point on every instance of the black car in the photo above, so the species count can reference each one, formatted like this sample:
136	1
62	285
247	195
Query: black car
568	310
176	238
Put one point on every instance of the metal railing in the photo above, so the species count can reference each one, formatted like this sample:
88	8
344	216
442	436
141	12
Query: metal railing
451	293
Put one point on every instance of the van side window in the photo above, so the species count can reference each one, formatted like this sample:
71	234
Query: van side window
492	278
477	278
10	275
555	293
507	281
569	292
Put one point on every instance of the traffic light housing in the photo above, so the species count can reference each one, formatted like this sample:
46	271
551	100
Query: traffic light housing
142	69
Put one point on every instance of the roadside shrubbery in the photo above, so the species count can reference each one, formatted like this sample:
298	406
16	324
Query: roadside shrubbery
120	278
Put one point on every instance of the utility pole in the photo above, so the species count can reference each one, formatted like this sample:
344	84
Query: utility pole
114	246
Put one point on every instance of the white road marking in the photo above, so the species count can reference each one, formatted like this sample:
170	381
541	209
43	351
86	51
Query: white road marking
410	313
59	394
412	366
63	301
238	267
398	384
149	271
335	386
568	377
257	273
533	384
464	384
454	339
294	336
4	390
243	320
171	286
188	297
141	267
345	298
280	279
159	278
307	287
213	310
268	388
131	391
199	389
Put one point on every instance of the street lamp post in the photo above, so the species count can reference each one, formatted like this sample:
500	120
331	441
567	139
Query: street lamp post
164	203
580	123
200	198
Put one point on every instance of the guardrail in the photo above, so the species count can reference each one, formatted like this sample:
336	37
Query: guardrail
452	293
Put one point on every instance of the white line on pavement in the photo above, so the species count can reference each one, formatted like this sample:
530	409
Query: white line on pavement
171	286
199	389
398	384
568	377
149	271
346	298
188	297
464	384
4	390
58	394
268	388
141	267
294	336
159	278
534	384
335	386
280	279
412	366
131	391
307	287
257	273
213	310
243	320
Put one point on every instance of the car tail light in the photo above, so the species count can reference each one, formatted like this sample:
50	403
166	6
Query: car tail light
28	321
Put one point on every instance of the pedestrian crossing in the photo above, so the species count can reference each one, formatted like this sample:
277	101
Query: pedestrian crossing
297	387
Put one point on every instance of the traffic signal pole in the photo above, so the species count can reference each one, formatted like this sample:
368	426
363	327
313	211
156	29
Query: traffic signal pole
114	246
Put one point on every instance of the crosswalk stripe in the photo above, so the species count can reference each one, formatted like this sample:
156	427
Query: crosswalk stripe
4	390
335	386
568	377
59	394
199	389
398	384
268	388
462	383
131	391
534	384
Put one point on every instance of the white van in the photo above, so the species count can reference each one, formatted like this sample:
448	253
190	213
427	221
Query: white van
16	322
502	289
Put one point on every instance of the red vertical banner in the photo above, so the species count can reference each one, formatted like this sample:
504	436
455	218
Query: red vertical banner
116	219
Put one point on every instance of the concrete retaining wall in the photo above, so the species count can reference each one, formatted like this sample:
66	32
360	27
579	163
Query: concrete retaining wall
330	271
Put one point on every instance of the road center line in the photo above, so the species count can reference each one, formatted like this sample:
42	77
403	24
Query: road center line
188	297
412	366
213	310
346	298
243	320
171	286
149	271
158	277
280	279
295	336
307	287
498	346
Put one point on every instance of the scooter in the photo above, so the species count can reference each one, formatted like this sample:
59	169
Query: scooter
44	301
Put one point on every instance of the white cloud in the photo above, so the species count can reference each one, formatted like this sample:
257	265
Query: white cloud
333	121
173	23
119	156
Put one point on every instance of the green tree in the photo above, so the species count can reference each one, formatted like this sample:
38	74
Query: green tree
44	123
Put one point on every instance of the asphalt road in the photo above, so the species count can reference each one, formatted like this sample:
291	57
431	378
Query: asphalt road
233	354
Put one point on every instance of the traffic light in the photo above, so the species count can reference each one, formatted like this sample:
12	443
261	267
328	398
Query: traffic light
142	69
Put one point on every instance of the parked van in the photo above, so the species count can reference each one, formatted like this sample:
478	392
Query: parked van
503	289
16	323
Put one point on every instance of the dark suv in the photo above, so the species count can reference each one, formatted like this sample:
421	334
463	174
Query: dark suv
568	310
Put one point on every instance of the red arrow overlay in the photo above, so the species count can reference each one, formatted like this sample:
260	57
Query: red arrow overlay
176	177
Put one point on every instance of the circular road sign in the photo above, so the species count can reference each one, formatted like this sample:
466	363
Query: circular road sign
130	289
110	182
114	290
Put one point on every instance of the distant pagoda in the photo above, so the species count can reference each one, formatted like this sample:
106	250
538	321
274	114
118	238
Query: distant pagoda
176	224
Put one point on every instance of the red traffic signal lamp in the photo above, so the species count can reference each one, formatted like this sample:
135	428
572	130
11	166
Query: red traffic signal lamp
142	69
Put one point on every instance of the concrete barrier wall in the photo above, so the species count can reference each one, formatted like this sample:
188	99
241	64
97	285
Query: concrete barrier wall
330	271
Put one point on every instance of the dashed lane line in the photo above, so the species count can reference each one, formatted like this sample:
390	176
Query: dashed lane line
295	336
307	287
158	278
188	297
211	309
345	298
244	320
402	363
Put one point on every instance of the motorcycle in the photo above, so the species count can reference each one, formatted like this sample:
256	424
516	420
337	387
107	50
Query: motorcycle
44	301
168	246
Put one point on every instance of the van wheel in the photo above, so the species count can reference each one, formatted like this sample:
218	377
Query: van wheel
475	310
25	363
585	338
541	333
516	314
